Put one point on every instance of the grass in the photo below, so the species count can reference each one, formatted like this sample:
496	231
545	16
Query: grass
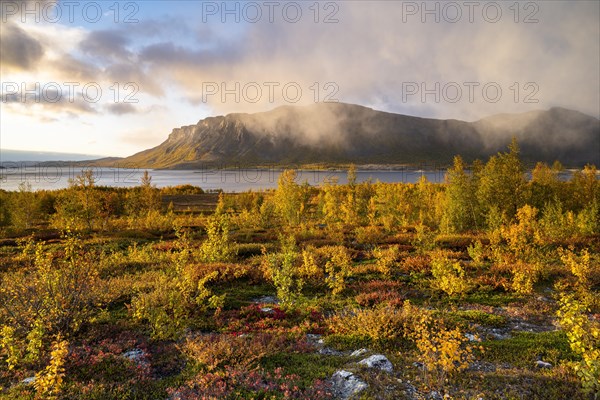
308	366
464	318
523	349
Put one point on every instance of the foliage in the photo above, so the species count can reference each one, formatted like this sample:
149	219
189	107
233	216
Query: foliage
290	198
53	293
25	211
217	247
476	252
525	275
48	383
204	292
8	343
461	211
584	338
386	259
338	269
218	351
444	352
236	383
378	324
424	239
176	295
580	266
448	275
502	182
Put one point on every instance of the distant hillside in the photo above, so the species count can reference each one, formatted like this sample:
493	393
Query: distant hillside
36	156
341	133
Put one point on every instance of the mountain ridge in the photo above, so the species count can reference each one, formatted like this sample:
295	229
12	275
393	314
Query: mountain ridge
343	133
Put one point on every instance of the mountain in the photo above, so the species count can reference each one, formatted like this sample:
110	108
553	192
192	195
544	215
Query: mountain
341	133
7	155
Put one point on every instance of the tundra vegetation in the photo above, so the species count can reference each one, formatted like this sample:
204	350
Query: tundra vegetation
486	286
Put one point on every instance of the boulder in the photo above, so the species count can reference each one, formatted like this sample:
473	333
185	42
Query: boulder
345	384
378	361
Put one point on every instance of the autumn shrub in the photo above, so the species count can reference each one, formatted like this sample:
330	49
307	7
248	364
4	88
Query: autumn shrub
313	263
556	224
52	294
588	219
444	352
10	346
523	238
255	318
369	236
579	265
374	293
477	252
338	269
448	275
173	299
584	338
48	383
152	220
234	383
217	247
216	351
524	277
424	239
417	263
386	259
378	324
176	294
283	270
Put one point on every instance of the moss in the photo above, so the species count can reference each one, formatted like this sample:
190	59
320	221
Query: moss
308	366
525	348
465	317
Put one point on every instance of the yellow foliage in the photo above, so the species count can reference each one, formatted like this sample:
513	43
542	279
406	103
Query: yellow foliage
443	352
386	259
525	275
584	338
8	343
48	383
338	268
580	266
448	275
383	323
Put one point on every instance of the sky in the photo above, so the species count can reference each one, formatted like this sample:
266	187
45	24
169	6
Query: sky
115	77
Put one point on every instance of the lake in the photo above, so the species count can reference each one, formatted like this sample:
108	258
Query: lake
229	180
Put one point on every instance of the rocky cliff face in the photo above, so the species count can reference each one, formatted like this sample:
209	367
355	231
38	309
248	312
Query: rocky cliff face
339	133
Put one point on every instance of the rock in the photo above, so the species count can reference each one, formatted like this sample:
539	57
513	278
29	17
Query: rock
482	366
314	339
345	384
419	365
358	352
138	356
266	310
326	351
472	337
434	395
378	361
266	300
134	354
410	392
543	364
28	381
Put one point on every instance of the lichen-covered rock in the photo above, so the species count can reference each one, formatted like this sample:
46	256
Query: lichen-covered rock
358	352
345	384
378	361
543	364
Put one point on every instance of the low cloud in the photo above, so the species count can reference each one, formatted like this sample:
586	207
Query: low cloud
19	50
121	109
